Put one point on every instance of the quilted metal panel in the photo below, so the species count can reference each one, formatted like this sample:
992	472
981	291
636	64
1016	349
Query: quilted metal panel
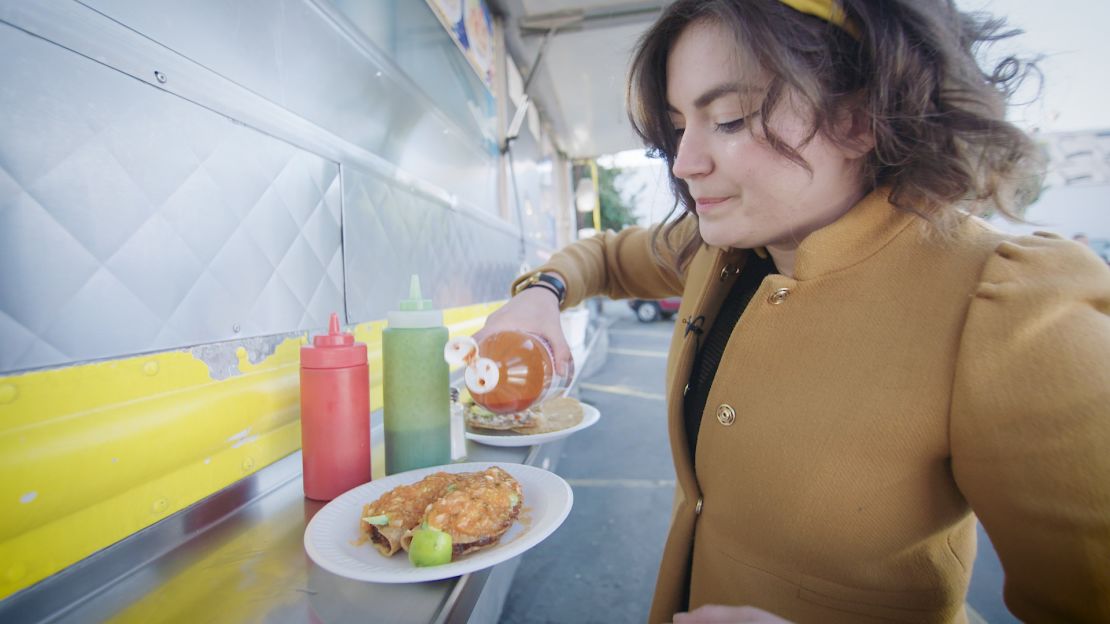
534	190
391	232
132	220
383	75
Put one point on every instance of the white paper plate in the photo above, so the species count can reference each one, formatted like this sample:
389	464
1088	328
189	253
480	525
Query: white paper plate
452	10
332	537
590	416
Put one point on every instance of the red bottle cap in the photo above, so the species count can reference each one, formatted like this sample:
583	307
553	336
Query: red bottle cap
334	349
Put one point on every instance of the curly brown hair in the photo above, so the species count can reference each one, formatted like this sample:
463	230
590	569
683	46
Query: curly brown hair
942	145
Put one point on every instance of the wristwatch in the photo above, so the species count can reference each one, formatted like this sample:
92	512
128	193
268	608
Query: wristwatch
545	281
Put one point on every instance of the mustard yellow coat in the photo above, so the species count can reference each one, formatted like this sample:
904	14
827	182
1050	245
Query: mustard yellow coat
893	386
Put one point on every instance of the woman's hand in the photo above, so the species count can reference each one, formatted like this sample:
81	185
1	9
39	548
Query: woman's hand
720	614
534	310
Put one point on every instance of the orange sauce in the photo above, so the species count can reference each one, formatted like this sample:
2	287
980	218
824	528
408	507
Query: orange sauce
524	368
525	518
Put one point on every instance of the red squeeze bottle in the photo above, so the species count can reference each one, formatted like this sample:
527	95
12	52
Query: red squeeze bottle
335	414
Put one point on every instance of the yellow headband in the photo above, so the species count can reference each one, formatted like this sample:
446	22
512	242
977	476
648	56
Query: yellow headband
827	10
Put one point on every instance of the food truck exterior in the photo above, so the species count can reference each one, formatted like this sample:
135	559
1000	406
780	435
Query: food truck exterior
187	191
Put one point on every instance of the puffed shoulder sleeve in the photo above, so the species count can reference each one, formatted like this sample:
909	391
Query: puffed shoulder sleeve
1030	425
619	264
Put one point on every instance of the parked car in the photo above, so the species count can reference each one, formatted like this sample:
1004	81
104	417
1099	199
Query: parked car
648	310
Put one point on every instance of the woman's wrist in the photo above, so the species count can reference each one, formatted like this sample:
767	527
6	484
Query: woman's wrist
550	289
549	281
533	291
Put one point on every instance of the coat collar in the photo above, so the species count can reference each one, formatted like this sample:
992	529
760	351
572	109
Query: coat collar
851	239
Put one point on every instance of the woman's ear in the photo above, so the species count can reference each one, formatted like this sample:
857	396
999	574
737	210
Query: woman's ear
855	129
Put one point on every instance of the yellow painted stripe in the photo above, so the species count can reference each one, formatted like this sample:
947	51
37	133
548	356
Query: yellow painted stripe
622	390
638	353
93	453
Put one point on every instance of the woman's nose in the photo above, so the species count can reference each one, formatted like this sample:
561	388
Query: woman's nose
692	159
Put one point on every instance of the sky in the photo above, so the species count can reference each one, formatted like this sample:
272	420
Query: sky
1073	39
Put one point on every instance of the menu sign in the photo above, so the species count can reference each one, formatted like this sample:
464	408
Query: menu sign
470	25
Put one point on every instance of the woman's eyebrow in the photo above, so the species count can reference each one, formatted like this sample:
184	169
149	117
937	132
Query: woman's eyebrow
721	90
728	88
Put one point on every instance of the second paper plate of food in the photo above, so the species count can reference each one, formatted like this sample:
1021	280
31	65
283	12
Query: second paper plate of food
340	540
555	419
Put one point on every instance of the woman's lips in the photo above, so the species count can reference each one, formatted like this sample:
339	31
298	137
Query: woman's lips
706	204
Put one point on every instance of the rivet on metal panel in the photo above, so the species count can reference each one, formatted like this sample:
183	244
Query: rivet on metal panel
8	393
235	328
159	506
159	76
150	368
248	464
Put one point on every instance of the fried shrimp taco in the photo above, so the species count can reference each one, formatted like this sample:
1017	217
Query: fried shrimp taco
553	415
481	418
475	511
387	520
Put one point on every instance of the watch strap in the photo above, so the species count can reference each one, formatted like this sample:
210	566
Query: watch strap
546	281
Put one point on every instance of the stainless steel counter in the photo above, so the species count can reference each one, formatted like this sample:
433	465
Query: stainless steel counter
238	556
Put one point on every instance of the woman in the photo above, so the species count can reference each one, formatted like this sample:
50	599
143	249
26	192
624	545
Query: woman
860	365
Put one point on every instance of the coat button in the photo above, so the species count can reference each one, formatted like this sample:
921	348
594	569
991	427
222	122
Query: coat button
697	508
778	296
729	270
725	414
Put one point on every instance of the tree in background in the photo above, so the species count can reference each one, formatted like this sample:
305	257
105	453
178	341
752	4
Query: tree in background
616	210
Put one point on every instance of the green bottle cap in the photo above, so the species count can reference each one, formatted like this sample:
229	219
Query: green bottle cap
415	300
416	312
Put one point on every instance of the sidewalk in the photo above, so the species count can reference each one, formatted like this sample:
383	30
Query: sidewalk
600	566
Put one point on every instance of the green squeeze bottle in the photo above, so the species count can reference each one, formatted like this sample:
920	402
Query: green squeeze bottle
416	402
